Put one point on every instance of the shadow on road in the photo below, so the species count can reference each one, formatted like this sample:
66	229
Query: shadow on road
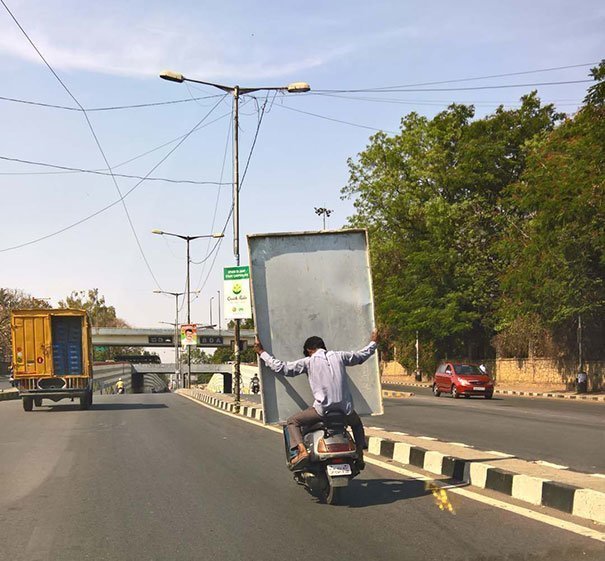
372	492
104	407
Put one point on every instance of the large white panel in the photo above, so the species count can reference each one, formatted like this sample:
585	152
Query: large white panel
313	283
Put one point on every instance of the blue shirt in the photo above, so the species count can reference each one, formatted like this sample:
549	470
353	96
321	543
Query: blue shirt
327	375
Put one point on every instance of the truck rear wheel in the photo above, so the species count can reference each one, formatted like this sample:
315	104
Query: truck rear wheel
86	400
38	401
28	403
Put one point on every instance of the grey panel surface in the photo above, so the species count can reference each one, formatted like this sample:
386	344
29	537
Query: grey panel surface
313	283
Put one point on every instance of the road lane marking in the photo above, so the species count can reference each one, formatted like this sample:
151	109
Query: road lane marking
453	488
522	511
550	464
500	454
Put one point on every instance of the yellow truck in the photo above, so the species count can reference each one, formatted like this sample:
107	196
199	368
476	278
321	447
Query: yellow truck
52	356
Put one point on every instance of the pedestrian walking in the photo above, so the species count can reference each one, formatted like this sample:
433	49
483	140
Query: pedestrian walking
582	382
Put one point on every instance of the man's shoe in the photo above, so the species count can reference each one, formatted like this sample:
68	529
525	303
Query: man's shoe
302	455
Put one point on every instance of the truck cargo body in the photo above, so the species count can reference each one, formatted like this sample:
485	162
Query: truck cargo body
52	356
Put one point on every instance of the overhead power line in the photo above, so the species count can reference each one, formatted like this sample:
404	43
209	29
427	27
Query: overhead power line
262	111
334	120
488	77
466	88
109	108
99	172
130	160
117	201
95	137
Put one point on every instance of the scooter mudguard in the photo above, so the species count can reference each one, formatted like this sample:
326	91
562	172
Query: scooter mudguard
339	481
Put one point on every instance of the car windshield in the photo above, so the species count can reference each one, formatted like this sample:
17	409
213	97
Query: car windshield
467	370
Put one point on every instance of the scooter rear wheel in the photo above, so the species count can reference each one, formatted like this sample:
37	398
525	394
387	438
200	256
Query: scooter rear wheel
334	495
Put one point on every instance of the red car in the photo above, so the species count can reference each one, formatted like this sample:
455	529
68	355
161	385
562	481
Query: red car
464	379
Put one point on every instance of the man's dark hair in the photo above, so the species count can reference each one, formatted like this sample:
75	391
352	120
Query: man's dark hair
312	344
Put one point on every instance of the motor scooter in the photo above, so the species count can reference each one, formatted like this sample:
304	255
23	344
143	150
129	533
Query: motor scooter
333	460
120	390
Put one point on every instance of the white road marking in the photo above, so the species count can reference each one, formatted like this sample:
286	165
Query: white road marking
521	511
550	465
460	444
600	475
526	512
427	438
500	454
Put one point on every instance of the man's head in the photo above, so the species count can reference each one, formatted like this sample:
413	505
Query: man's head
312	344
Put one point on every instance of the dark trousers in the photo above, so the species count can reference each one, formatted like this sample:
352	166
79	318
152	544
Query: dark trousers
310	416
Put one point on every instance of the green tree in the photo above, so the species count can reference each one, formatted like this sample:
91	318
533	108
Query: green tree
198	356
433	198
556	249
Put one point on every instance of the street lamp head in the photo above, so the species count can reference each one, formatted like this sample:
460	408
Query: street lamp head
218	235
158	291
157	232
172	76
298	87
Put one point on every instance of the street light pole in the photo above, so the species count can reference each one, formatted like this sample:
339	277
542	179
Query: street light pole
219	310
211	310
236	91
188	239
177	366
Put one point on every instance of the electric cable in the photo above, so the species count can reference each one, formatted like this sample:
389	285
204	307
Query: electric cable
466	88
121	164
335	120
98	172
117	201
489	77
110	108
96	139
241	183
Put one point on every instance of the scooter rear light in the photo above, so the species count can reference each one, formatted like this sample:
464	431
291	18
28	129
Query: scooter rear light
325	448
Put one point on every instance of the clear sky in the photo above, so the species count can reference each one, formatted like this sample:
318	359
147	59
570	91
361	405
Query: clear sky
110	53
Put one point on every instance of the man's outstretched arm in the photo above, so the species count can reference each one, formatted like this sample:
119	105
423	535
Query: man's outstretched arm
359	357
292	368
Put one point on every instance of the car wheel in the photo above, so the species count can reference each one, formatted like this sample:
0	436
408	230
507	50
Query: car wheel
455	393
436	391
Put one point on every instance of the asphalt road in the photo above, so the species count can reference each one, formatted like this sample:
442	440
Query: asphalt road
158	477
563	432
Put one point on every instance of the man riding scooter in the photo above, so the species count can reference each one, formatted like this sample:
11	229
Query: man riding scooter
120	386
328	380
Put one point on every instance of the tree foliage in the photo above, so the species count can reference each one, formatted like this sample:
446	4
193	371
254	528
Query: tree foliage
477	222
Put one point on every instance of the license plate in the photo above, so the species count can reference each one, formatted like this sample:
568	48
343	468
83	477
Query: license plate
335	470
480	388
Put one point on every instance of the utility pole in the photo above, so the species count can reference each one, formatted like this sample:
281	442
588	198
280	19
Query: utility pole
219	310
177	366
188	239
236	91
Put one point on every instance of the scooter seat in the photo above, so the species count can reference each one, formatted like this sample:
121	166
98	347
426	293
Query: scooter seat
331	420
